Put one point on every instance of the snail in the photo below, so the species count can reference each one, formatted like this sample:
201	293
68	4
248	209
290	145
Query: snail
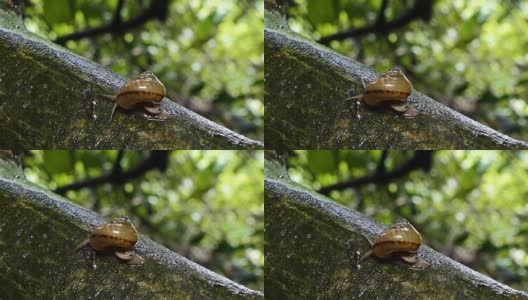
400	242
117	237
145	91
391	90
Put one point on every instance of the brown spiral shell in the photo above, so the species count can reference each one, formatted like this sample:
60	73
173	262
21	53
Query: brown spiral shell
401	239
390	87
145	88
118	235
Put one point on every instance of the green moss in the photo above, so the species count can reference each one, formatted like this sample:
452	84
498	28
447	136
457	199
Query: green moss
9	19
274	20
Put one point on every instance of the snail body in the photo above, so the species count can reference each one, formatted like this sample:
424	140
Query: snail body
118	237
399	242
391	89
145	91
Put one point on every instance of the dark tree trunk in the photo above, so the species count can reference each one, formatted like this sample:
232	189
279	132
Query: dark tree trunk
308	255
40	231
306	84
47	97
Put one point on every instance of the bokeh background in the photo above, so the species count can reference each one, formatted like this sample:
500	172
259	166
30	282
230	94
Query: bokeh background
469	205
469	55
205	205
208	53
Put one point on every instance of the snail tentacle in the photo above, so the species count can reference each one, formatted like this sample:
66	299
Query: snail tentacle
113	110
365	256
358	97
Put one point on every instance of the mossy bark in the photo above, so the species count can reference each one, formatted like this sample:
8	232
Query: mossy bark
305	87
308	255
40	231
51	98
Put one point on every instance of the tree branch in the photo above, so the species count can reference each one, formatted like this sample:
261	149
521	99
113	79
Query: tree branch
157	10
420	160
381	19
58	104
422	9
40	232
381	168
117	163
156	160
308	255
310	111
117	19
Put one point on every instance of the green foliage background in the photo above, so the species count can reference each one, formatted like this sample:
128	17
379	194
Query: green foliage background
471	56
207	205
208	53
471	205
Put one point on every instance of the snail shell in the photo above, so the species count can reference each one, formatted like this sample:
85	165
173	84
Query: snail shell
120	234
145	88
391	87
118	237
144	91
397	239
401	242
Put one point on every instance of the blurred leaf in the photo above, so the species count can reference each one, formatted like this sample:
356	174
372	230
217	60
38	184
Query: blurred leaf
322	11
195	240
469	30
92	159
195	90
460	239
205	30
488	96
57	161
461	88
355	159
58	11
321	161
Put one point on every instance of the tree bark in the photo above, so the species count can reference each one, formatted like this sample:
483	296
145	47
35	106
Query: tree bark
308	255
39	232
51	98
306	84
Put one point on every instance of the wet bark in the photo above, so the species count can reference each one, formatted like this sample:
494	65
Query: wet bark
51	98
310	242
39	232
306	84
